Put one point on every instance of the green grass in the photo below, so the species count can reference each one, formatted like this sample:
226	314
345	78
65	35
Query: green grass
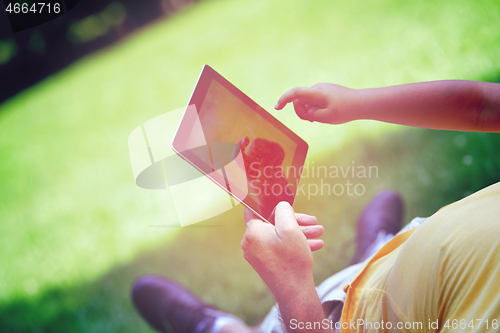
75	230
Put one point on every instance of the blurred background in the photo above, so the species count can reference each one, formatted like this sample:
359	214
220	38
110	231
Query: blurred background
75	230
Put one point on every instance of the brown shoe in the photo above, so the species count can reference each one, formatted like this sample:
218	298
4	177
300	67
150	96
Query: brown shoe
384	212
168	307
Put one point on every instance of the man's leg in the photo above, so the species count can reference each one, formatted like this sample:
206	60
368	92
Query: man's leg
384	212
170	308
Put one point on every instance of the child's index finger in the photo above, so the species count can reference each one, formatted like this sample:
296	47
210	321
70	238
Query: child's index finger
300	93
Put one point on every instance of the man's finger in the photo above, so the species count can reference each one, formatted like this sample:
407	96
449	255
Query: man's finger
312	231
256	232
285	218
306	95
315	244
304	219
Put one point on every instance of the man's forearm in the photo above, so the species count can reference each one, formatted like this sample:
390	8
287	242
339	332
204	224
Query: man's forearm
301	309
450	105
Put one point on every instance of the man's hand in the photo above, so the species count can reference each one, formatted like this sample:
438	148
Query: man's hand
323	102
281	255
308	224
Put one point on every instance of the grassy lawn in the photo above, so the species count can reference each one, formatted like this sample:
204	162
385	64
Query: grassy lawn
76	231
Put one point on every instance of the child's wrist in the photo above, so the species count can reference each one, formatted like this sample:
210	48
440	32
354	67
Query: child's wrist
358	110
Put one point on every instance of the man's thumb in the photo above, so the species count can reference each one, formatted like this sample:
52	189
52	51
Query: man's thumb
285	217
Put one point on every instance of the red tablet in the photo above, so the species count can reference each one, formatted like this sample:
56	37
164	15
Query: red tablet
239	145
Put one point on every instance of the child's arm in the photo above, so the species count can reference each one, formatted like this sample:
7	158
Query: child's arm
449	105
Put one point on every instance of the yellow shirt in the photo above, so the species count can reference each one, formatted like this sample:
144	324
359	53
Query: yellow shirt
443	276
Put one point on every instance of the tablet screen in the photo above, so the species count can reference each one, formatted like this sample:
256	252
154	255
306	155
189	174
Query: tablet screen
239	145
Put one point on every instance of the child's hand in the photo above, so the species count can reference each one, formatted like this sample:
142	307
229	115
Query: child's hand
323	102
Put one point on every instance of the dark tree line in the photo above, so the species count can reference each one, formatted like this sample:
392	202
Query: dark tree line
28	56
